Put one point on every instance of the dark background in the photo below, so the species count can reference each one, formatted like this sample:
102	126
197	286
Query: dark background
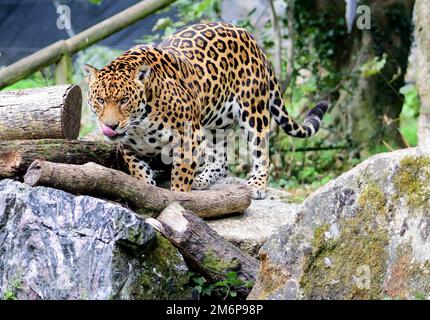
29	25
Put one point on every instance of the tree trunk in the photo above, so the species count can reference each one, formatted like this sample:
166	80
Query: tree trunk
373	105
16	156
210	253
367	111
95	180
43	113
422	36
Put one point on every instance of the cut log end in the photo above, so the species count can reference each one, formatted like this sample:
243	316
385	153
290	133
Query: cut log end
71	113
173	216
41	113
204	248
33	174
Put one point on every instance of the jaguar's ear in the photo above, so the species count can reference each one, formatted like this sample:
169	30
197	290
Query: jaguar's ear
143	73
90	73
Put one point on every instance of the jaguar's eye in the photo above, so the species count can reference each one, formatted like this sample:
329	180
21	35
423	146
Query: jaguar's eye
124	100
100	100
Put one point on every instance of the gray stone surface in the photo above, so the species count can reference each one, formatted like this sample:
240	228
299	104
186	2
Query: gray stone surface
261	220
54	245
365	235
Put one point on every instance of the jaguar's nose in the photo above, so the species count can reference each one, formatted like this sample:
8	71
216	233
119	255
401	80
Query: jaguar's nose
112	126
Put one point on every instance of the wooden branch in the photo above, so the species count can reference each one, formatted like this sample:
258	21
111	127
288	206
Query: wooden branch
42	113
322	148
51	54
207	251
16	156
96	180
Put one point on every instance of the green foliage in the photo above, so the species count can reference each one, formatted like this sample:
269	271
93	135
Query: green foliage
188	11
9	295
196	10
12	289
420	296
97	56
410	113
200	284
318	37
229	285
226	289
374	66
39	79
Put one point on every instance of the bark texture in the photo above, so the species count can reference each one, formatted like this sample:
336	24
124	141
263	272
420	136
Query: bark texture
42	113
422	36
145	199
16	156
205	248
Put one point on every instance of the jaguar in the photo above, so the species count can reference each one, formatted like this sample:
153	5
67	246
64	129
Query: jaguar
178	98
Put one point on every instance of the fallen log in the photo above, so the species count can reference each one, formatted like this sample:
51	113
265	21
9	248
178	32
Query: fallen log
42	113
205	249
16	156
145	199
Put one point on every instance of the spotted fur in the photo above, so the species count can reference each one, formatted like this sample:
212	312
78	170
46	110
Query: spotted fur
201	79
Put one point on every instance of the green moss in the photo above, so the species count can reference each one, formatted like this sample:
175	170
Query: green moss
411	181
336	268
217	264
372	199
160	280
420	296
13	288
318	240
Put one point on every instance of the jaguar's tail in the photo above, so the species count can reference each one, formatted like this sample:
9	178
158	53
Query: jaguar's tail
310	125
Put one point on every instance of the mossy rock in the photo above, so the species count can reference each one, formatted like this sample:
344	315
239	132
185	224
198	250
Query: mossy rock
365	235
412	181
335	265
163	274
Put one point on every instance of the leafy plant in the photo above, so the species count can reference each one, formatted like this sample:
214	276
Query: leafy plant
11	291
39	79
410	113
231	284
226	288
188	11
200	284
374	66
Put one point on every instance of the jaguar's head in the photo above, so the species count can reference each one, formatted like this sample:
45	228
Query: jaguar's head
117	95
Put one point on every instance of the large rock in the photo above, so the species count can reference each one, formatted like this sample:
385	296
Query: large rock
57	246
250	230
365	235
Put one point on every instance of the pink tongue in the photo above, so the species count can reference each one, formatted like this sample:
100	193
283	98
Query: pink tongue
108	131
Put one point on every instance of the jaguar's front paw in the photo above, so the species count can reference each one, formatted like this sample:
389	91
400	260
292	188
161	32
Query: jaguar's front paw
200	184
258	194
